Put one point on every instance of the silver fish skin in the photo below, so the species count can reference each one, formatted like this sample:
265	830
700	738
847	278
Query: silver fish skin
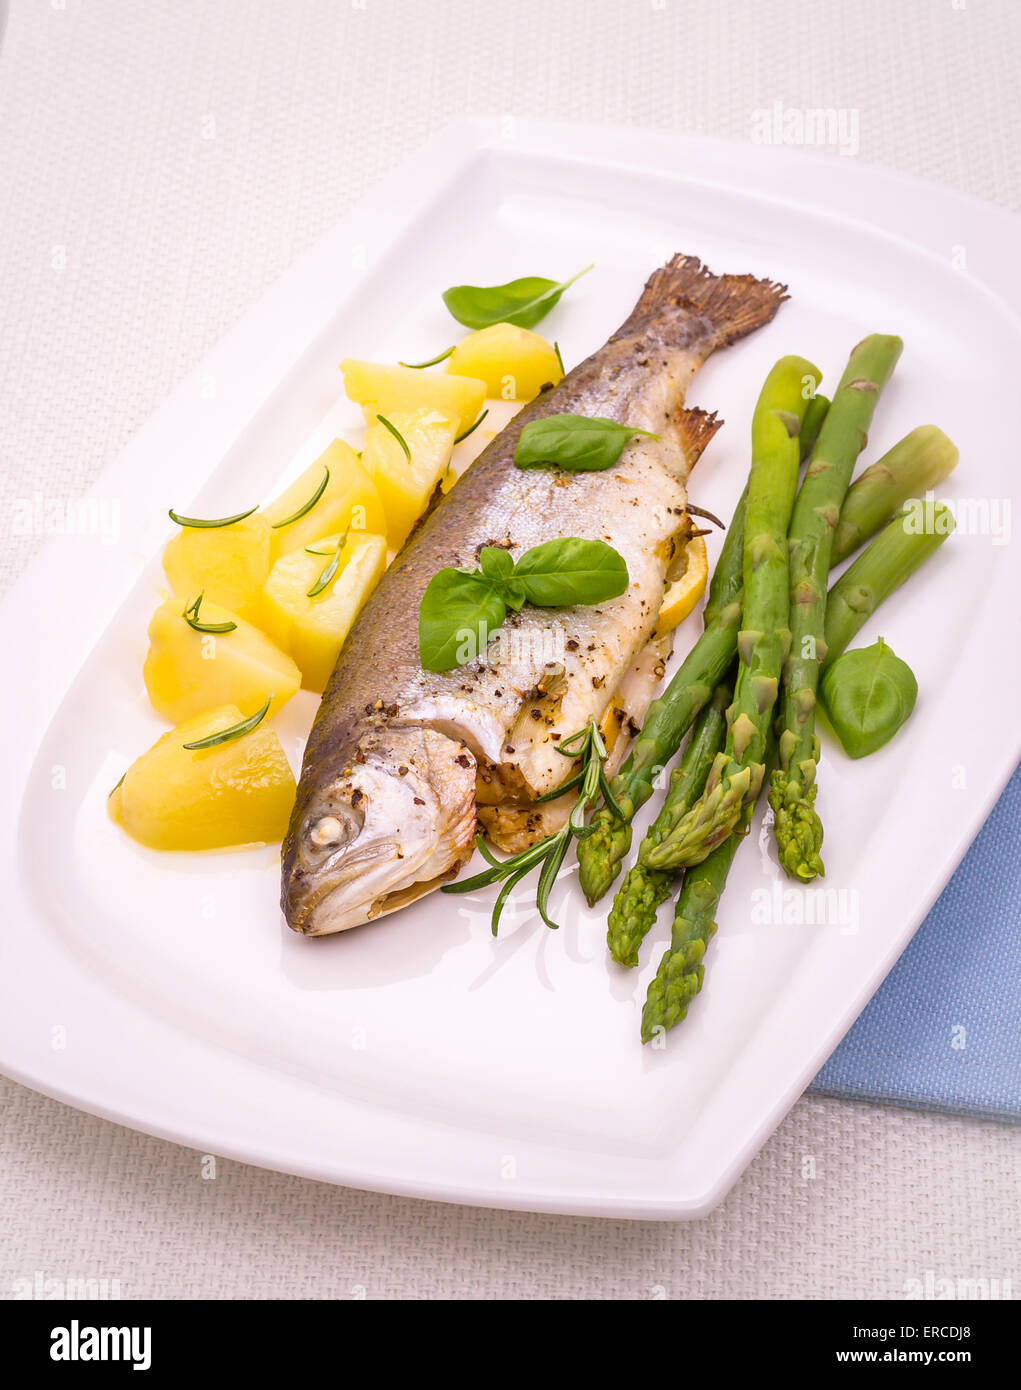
401	762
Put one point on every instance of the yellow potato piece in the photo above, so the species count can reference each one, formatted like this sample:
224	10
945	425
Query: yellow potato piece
404	484
228	563
236	793
684	592
312	630
186	672
383	389
349	502
515	363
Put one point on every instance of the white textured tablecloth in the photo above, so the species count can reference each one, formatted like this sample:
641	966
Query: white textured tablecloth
160	165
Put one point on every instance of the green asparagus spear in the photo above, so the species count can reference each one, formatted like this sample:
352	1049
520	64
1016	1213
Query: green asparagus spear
920	461
669	717
904	472
634	907
892	558
681	972
815	413
639	896
762	643
816	516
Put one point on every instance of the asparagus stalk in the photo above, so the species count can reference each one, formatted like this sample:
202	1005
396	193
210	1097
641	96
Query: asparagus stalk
669	717
643	889
816	516
681	972
906	471
891	559
737	773
815	413
914	465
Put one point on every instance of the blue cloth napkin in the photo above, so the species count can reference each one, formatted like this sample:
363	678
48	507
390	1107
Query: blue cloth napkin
944	1030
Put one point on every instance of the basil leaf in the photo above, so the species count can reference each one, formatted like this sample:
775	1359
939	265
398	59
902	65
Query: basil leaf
456	617
567	571
523	302
868	694
580	443
495	562
514	594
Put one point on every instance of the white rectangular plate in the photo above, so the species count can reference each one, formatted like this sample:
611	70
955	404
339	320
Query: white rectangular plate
419	1055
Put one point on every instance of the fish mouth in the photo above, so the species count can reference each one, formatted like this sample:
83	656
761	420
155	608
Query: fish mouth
394	819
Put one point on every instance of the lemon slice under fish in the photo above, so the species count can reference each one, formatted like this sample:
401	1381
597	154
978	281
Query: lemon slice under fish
685	591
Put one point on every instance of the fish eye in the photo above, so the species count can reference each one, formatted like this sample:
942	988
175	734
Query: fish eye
326	832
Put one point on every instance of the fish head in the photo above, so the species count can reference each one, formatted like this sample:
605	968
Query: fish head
376	828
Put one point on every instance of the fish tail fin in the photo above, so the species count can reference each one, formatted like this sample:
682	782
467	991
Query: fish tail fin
731	306
695	428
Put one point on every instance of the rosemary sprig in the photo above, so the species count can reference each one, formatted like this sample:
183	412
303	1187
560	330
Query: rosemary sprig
235	731
329	570
303	511
472	428
191	617
396	434
432	360
587	747
201	524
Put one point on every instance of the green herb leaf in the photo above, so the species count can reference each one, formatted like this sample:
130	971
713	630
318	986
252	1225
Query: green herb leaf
457	615
116	785
523	302
329	570
235	731
472	428
418	366
303	511
868	694
461	608
548	877
202	525
556	349
495	562
191	617
396	434
579	443
514	595
566	571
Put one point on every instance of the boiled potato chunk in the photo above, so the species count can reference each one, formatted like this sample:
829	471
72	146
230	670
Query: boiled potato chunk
312	629
383	390
515	363
404	484
186	672
349	502
227	563
235	793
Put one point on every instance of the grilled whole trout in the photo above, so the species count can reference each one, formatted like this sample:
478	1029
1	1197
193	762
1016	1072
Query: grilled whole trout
403	764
